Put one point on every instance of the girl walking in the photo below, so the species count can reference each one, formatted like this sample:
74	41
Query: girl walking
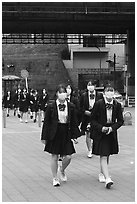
24	104
59	127
106	119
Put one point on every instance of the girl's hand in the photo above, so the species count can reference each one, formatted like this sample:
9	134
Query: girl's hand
88	113
105	129
75	141
109	131
43	141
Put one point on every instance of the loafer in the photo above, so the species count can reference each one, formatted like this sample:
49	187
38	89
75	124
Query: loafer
109	183
101	178
56	182
60	158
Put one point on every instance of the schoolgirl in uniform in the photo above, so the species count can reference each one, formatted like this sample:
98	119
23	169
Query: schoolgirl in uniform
17	102
7	102
87	100
58	129
34	101
73	98
24	104
43	102
106	118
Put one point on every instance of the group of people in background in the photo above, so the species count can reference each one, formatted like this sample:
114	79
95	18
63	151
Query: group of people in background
26	103
95	115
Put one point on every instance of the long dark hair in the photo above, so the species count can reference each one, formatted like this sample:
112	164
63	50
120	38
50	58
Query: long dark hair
58	89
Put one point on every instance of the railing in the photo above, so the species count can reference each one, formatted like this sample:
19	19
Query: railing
131	101
94	71
88	8
15	38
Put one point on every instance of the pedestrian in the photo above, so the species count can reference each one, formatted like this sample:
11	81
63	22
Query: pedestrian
43	102
16	102
73	98
24	104
7	102
58	129
106	118
30	109
34	104
87	101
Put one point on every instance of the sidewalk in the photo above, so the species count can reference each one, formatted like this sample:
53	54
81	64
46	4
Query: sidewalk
26	174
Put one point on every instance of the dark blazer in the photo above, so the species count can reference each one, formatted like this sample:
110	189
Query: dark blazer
7	103
24	102
84	105
43	102
51	122
99	118
75	101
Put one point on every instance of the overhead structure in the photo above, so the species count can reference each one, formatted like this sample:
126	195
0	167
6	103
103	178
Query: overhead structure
68	17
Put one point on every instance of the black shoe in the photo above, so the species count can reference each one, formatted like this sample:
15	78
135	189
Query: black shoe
7	115
18	115
34	120
109	183
14	113
60	158
31	116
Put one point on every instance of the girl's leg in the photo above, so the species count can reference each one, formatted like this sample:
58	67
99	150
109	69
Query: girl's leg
104	166
15	110
31	113
42	115
36	114
7	110
65	162
54	165
21	117
26	117
18	112
89	144
35	117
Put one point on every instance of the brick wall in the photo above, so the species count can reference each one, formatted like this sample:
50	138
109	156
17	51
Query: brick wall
43	62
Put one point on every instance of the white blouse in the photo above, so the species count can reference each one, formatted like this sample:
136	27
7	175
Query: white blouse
91	101
62	115
109	112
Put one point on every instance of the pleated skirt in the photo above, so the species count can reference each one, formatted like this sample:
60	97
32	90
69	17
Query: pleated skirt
61	144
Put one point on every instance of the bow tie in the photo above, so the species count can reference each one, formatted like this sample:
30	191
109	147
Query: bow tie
92	96
68	99
62	107
109	106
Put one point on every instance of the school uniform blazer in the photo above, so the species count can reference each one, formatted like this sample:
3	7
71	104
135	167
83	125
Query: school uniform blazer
84	105
76	102
43	102
51	122
99	119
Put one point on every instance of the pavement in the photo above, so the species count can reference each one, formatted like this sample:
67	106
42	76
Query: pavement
26	174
